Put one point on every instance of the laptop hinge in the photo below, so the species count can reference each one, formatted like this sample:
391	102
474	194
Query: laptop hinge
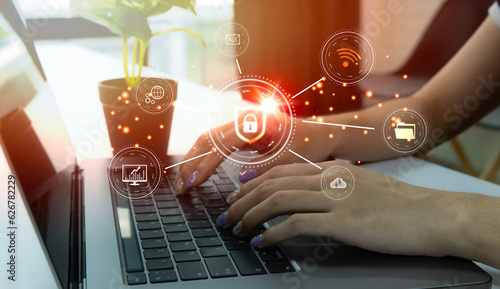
76	274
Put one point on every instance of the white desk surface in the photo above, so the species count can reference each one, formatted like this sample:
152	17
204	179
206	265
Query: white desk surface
69	66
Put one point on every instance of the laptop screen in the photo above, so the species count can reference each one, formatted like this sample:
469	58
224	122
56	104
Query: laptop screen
36	145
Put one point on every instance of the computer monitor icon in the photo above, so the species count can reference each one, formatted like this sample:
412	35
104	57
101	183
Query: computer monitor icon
134	174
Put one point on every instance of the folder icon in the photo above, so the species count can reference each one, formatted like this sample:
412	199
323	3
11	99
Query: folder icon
405	131
233	39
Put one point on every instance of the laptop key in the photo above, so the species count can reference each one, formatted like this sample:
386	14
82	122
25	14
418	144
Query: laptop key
200	224
208	242
216	211
227	235
223	181
136	278
162	276
166	204
150	234
196	216
182	246
211	197
153	243
186	256
156	253
220	267
207	252
226	188
145	210
267	256
148	225
192	209
204	232
173	228
215	204
169	212
142	202
172	219
279	266
207	190
181	236
237	245
157	264
191	271
206	184
146	217
166	197
247	262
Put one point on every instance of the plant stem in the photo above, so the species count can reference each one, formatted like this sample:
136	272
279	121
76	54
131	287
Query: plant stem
125	60
134	59
142	53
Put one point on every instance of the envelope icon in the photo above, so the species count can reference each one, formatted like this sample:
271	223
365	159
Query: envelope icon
405	131
233	39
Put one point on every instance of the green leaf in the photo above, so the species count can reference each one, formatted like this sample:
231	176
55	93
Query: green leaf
84	7
3	33
146	8
189	32
124	21
185	4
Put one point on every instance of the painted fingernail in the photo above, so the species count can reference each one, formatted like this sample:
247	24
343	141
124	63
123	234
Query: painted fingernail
233	197
221	220
191	179
257	240
179	185
237	229
248	174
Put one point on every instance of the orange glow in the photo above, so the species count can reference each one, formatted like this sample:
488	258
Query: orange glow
136	118
321	92
158	107
126	101
393	124
379	104
330	108
161	126
345	64
164	171
405	108
405	76
149	137
314	88
353	97
344	84
320	119
323	78
112	112
343	127
306	103
136	145
365	132
126	129
214	149
396	95
359	162
330	135
112	149
211	86
319	85
314	117
356	116
129	88
387	56
306	139
119	98
119	126
125	94
369	93
333	94
409	140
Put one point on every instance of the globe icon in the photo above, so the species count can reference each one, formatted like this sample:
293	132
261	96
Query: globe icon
157	92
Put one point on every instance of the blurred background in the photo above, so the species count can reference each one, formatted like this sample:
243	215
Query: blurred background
412	40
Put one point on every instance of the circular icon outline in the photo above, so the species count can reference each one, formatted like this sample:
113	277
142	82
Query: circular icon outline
244	39
112	168
332	40
148	101
418	144
326	182
291	120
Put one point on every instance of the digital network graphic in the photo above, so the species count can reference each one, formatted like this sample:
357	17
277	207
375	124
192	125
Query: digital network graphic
347	57
232	39
405	131
337	182
154	95
134	172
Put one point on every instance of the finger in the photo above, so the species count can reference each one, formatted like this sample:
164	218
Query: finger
295	225
282	203
274	173
264	191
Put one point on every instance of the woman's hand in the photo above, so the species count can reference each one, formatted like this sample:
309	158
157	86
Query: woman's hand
381	214
197	171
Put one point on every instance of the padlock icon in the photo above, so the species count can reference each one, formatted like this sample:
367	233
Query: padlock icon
250	123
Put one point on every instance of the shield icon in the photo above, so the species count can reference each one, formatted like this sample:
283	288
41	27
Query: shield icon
250	132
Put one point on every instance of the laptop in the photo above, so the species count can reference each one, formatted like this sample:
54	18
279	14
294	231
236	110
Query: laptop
93	238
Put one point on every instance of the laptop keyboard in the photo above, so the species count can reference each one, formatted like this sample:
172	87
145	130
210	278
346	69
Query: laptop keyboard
175	238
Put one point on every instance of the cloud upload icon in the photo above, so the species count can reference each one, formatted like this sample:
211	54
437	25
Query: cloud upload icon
338	183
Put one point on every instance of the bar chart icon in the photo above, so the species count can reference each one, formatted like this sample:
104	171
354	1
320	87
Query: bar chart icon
134	174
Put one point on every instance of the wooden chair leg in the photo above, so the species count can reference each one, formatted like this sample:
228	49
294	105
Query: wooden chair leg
491	169
464	161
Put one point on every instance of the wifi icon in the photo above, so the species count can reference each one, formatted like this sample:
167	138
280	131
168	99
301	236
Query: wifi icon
348	54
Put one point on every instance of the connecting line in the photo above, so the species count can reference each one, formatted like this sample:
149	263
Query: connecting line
238	63
322	78
336	124
187	107
305	159
177	164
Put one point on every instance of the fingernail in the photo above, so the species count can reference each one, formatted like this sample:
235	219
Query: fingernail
179	185
233	197
221	220
191	179
237	229
248	174
257	240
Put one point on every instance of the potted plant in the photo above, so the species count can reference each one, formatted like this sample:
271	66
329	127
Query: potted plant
137	111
